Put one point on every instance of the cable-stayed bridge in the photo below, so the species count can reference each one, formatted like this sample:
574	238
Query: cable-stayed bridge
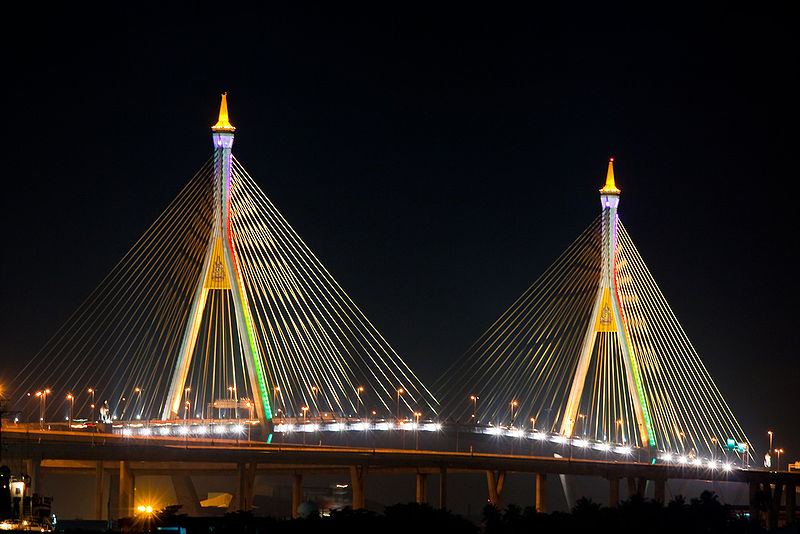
220	323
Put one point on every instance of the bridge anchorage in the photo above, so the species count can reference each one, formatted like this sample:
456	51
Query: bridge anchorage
592	355
219	320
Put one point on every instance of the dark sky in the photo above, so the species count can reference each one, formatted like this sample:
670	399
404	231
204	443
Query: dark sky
436	160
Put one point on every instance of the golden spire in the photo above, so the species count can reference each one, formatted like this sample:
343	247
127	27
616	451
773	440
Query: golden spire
610	187
223	125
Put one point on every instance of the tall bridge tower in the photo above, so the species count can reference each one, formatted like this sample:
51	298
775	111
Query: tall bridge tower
221	271
608	315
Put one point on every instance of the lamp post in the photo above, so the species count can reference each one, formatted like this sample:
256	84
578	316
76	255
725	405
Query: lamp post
71	399
474	399
618	428
583	426
315	393
359	390
186	411
42	406
138	392
513	405
713	447
91	392
305	410
399	392
417	415
769	433
778	465
232	391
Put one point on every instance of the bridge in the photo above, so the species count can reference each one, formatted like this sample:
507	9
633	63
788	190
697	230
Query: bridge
220	322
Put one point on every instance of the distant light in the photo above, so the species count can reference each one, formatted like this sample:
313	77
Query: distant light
604	447
582	443
126	432
238	428
164	431
539	436
727	467
682	459
560	439
184	430
624	450
712	464
494	430
698	462
202	429
146	432
220	429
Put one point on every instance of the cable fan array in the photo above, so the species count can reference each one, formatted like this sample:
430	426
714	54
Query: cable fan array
519	372
119	348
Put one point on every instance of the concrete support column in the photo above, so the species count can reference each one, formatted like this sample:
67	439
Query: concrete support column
241	493
33	467
297	493
613	492
125	489
98	491
358	480
659	490
774	506
113	497
495	481
754	512
541	493
631	486
791	496
422	488
443	488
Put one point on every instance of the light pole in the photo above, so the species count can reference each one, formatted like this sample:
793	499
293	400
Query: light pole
186	411
713	447
778	465
583	426
138	392
359	390
474	399
305	410
249	424
769	433
232	391
513	405
42	406
399	392
314	393
71	399
619	427
91	392
417	415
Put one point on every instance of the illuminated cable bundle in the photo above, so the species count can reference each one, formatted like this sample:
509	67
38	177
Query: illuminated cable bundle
219	310
592	349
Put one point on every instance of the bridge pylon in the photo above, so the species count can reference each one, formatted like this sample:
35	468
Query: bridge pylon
221	270
608	315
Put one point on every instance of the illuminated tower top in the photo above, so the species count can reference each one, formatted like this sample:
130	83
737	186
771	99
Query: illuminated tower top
223	125
609	195
222	131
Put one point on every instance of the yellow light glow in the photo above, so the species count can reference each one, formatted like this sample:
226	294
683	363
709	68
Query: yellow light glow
223	124
610	188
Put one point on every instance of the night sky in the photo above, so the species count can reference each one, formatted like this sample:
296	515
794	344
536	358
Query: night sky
436	160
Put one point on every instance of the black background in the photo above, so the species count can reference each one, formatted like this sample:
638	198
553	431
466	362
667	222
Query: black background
436	160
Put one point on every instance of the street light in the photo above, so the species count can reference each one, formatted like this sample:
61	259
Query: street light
399	392
138	392
474	399
417	415
769	432
513	405
583	426
186	411
533	424
618	428
713	447
91	392
232	391
71	399
359	390
778	465
42	406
